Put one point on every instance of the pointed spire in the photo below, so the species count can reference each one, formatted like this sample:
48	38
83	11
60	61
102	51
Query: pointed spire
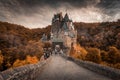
66	18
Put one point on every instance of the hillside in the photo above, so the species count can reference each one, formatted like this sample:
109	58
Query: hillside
102	42
100	35
20	45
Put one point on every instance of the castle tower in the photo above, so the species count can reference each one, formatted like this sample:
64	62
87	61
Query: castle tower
63	30
56	22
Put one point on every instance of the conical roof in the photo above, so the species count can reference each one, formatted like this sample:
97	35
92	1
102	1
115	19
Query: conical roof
66	18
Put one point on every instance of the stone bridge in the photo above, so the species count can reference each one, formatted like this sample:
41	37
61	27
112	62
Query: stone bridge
61	67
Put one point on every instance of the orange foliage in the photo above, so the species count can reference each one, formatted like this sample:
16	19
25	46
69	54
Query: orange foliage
113	55
78	52
93	55
31	60
1	58
18	63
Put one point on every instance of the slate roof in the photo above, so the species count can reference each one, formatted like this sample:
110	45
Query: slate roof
57	40
66	18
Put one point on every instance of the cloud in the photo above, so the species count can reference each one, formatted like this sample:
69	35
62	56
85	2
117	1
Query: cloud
38	13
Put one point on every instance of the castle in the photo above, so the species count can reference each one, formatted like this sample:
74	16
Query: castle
63	31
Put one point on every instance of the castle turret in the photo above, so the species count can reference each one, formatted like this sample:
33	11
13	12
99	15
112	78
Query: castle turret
56	23
63	30
66	18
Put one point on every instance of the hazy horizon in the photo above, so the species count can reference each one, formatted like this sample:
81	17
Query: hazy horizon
39	13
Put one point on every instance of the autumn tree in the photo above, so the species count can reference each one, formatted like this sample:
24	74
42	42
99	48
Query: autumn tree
1	59
113	55
104	55
93	55
18	63
29	60
77	51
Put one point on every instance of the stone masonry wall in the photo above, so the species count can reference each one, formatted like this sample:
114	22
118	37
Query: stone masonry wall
27	72
100	69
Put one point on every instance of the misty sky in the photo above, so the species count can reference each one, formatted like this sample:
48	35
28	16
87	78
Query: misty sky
39	13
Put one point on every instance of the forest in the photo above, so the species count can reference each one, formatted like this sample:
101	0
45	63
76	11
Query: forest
97	42
20	45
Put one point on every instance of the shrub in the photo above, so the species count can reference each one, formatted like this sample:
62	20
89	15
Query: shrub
18	63
104	55
29	60
113	55
1	59
78	52
34	48
93	55
117	66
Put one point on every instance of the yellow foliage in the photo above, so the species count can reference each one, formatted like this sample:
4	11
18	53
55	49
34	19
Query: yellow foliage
28	60
113	55
78	52
81	49
1	58
31	60
104	55
93	55
18	63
